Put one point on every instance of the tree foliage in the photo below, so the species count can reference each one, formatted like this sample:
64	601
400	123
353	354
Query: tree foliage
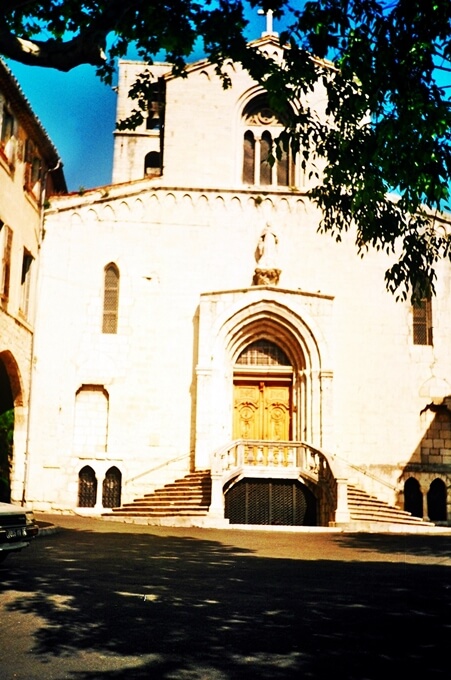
384	150
6	452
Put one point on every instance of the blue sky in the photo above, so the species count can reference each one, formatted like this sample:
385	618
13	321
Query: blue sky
78	112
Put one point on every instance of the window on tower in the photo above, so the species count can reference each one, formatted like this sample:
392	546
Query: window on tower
262	129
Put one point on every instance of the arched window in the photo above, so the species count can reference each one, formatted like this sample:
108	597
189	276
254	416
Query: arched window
111	488
262	129
87	487
265	151
422	321
110	299
249	158
91	421
152	163
413	498
285	168
263	353
437	501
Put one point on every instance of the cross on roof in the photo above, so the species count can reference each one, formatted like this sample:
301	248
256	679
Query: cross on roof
269	19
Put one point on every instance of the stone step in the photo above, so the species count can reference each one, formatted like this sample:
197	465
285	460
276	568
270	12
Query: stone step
179	498
153	503
162	512
363	507
189	496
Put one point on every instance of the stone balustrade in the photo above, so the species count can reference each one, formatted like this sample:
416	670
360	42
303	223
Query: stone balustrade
276	459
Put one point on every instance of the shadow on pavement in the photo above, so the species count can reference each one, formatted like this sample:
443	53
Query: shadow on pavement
416	545
183	608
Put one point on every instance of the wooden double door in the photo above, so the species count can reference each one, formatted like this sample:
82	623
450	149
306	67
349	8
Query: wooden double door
262	409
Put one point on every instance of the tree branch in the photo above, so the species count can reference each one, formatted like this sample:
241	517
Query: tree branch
11	5
86	48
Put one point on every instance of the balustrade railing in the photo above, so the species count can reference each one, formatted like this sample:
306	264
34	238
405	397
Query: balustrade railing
244	457
243	453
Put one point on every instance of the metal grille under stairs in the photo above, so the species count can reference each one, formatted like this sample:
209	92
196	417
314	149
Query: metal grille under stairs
187	497
365	509
191	497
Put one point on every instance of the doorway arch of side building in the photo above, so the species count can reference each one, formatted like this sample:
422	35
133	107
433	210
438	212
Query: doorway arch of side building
292	391
14	426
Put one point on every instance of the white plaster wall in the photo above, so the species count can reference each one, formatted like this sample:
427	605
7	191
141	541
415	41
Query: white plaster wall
171	247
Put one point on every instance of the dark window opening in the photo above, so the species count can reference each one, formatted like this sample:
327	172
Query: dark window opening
436	499
152	163
87	487
111	488
249	158
413	498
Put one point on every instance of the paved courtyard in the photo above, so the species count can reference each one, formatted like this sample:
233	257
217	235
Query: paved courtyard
101	600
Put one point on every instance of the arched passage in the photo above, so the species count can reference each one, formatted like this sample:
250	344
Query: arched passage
436	500
413	498
11	399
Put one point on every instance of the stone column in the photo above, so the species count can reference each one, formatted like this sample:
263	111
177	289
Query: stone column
342	513
203	418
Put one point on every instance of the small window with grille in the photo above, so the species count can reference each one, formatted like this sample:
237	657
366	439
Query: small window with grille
111	299
87	487
422	321
263	353
111	488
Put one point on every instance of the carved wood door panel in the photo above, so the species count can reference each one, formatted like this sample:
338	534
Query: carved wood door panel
262	411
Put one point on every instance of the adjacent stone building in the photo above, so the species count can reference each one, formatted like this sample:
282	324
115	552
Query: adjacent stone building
195	319
30	172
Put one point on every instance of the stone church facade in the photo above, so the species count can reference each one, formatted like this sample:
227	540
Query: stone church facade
193	318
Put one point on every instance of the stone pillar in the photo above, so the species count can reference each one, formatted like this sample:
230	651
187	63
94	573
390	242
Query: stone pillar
342	513
425	507
326	433
217	497
203	419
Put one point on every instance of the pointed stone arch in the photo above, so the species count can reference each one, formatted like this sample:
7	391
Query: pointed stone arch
437	501
413	497
227	329
15	381
14	399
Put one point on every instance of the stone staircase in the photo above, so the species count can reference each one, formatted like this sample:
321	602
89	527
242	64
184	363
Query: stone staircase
186	497
189	498
369	512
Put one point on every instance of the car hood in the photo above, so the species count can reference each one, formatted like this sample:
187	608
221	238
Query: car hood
10	509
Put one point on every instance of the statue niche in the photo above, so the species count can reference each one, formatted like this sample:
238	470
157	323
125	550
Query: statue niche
267	271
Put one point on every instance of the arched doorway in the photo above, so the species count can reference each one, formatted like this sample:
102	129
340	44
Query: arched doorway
12	427
263	393
436	500
413	498
6	434
229	324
